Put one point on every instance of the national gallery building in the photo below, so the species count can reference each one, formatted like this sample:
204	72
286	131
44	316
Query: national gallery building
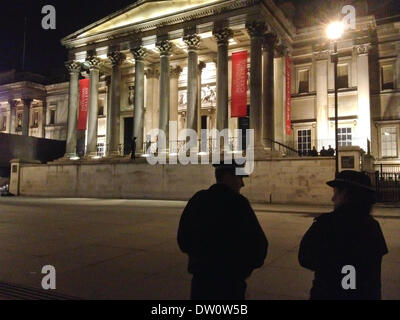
159	61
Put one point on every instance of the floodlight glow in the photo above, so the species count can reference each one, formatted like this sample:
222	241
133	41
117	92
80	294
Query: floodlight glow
335	30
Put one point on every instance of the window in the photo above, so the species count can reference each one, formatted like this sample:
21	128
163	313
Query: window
52	116
344	137
388	142
303	81
387	77
3	123
19	121
101	111
304	141
342	76
35	123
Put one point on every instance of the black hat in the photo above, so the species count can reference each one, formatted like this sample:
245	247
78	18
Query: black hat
230	167
352	179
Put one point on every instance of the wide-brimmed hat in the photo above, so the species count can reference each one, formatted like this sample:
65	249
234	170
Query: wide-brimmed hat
230	167
352	179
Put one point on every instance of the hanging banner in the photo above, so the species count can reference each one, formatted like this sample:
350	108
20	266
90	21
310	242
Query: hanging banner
83	103
288	96
239	84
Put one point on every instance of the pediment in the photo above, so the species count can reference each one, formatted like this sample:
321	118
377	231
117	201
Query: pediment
140	11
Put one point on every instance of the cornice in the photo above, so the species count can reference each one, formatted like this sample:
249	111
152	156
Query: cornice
204	11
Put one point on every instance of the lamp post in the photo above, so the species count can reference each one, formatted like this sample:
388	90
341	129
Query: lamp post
334	32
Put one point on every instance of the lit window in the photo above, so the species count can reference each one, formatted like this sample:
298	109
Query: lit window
19	121
303	81
389	142
35	123
387	77
344	137
343	76
3	123
304	141
52	116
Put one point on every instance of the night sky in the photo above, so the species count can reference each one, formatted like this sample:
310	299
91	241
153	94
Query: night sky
44	53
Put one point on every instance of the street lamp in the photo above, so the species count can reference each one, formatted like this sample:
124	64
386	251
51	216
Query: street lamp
334	31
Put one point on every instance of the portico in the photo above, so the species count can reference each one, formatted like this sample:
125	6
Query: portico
159	53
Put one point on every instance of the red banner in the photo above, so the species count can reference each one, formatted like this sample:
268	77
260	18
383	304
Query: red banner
83	103
239	84
288	96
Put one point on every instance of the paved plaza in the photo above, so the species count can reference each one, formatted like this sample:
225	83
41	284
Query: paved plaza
126	249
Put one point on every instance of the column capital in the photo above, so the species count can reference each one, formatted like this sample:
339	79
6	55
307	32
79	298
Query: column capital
270	40
73	66
192	41
223	35
139	53
27	101
281	50
152	73
363	48
201	65
256	28
12	103
165	47
175	72
93	62
321	55
116	57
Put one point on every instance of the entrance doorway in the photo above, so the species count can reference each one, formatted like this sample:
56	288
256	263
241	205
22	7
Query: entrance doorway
128	133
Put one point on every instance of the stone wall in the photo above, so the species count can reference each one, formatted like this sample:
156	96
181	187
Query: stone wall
282	181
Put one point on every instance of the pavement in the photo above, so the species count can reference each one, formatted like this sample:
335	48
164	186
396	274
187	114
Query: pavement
126	249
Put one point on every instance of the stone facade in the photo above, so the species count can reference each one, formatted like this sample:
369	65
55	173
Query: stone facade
298	180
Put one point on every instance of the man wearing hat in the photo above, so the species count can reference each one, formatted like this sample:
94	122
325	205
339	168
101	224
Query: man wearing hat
223	238
344	248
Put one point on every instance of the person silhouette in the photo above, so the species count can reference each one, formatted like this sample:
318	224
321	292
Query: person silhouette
347	240
133	148
220	232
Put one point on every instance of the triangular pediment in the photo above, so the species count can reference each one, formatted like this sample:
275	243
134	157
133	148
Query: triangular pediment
138	12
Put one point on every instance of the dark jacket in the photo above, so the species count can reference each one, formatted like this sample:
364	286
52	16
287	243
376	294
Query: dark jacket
221	234
347	236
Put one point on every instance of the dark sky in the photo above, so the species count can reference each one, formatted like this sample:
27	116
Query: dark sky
44	53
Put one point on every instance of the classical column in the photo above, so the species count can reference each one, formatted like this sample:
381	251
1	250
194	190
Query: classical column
94	65
165	47
116	58
192	41
256	31
364	113
108	124
268	125
13	116
139	54
73	103
25	117
222	36
151	116
201	65
174	77
321	107
43	116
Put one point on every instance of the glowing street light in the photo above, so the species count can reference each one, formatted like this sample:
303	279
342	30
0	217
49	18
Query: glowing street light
334	32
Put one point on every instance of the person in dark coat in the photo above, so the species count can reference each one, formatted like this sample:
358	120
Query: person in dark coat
133	148
223	238
330	151
348	236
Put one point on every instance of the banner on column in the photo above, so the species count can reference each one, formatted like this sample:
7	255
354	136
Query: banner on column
83	103
288	95
239	84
